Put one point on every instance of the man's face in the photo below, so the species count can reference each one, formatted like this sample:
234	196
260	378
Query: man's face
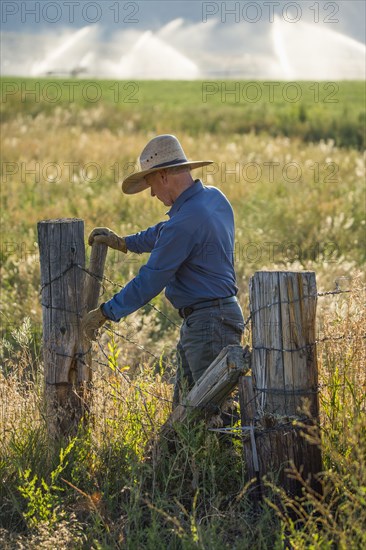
160	187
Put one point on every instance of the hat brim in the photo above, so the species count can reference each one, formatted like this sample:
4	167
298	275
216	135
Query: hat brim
136	182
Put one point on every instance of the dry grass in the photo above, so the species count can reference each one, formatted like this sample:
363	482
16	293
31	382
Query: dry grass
327	214
117	494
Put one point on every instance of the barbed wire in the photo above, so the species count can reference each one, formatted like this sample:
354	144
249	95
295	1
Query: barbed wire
310	344
122	287
300	299
57	277
141	347
101	279
215	409
295	423
131	383
250	317
209	407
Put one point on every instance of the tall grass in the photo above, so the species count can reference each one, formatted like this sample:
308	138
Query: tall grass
296	213
116	484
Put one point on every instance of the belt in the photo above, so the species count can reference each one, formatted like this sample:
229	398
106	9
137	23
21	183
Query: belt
215	302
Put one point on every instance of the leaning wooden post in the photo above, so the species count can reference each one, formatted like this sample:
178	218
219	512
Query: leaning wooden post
285	378
93	281
214	386
62	257
95	275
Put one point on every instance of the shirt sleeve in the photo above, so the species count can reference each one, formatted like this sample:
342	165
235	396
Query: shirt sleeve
172	248
144	241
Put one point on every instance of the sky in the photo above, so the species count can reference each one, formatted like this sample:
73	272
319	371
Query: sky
173	39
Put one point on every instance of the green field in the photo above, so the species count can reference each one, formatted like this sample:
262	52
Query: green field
308	110
291	160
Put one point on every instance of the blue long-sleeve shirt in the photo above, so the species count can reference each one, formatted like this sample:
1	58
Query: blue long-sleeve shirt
192	254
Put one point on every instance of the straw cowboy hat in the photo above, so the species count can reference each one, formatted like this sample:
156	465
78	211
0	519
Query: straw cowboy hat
161	152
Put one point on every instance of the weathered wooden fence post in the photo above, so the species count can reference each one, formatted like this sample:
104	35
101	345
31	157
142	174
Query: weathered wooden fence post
67	293
285	380
61	247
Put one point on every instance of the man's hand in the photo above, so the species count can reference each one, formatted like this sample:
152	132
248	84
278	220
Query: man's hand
91	322
106	236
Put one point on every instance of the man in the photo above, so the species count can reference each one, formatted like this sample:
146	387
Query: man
191	256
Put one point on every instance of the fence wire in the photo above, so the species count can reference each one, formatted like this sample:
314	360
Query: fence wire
106	364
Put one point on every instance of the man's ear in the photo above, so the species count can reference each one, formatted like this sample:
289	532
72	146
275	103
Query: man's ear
164	176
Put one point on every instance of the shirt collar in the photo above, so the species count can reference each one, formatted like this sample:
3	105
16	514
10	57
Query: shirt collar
183	197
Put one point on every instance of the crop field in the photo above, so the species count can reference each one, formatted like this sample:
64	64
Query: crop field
290	157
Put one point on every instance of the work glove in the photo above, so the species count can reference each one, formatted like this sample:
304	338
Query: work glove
91	322
103	235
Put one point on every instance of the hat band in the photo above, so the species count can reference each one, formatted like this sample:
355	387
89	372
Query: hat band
169	163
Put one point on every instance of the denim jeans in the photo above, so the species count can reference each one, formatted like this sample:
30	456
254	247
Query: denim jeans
203	335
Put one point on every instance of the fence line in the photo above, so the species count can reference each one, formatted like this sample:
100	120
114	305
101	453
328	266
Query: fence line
237	430
79	356
217	410
104	278
337	291
136	386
